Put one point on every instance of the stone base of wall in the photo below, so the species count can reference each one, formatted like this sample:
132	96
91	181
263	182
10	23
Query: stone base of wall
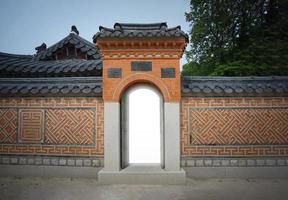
234	162
51	161
237	172
235	167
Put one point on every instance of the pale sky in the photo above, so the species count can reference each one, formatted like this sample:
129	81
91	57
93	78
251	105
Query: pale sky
25	24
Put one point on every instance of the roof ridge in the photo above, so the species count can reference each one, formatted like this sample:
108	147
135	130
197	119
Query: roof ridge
140	30
140	26
61	43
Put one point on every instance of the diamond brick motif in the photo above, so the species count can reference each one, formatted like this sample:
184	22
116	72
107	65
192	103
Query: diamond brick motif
8	128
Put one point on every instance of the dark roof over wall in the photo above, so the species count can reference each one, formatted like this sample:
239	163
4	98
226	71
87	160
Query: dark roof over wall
45	87
26	66
122	30
234	86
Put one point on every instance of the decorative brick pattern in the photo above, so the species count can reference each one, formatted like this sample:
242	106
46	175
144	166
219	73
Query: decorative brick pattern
31	125
270	145
50	102
95	149
239	126
8	125
70	126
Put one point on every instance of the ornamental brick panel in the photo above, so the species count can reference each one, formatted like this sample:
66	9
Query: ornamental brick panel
8	125
239	126
234	126
70	126
31	125
75	126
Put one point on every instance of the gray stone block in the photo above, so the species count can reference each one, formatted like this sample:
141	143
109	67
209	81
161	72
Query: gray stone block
14	160
260	162
30	161
5	160
22	161
199	163
101	162
225	163
190	163
38	161
79	162
46	161
71	162
271	162
208	163
183	163
216	163
234	162
54	161
95	163
242	163
281	162
87	163
251	162
62	161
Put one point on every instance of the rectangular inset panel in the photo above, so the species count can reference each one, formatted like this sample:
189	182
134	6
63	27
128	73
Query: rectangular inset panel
114	72
167	72
232	126
8	125
141	66
31	125
70	126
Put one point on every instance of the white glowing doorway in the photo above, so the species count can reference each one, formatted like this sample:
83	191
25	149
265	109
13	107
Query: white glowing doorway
142	126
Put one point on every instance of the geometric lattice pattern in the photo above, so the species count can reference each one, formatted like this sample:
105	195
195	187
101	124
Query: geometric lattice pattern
234	126
238	126
70	126
8	125
31	125
68	108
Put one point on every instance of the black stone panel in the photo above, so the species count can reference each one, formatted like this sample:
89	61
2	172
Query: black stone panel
141	66
114	72
167	72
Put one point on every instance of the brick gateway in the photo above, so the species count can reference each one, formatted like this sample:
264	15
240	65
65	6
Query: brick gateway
61	106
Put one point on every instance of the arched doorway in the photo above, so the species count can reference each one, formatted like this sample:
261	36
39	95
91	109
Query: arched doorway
141	126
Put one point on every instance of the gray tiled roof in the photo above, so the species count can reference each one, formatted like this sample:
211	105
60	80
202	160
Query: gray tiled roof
45	87
234	86
122	30
78	42
27	66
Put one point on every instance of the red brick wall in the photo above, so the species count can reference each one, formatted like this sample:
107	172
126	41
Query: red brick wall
209	126
114	87
51	126
234	126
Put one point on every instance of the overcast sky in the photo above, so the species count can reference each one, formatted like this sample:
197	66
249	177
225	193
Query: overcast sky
25	24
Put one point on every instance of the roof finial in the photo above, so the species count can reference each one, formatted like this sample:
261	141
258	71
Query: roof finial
74	30
41	48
